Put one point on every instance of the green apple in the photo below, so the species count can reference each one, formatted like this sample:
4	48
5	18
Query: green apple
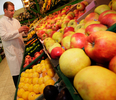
101	8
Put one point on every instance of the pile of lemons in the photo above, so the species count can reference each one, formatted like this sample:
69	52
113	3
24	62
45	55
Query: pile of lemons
33	81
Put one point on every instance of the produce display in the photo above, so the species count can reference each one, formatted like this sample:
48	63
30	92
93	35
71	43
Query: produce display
84	50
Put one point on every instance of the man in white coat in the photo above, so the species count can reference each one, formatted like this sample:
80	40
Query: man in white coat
11	36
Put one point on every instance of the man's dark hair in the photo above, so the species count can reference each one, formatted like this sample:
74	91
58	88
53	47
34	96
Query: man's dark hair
5	6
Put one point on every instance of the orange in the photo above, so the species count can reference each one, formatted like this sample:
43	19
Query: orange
43	68
31	96
20	99
42	62
30	81
48	66
30	88
30	75
44	73
35	74
25	87
26	75
37	95
26	80
40	80
27	70
20	92
36	88
30	71
39	70
34	70
45	78
22	74
42	86
34	67
35	80
21	84
22	79
50	82
51	72
38	65
25	95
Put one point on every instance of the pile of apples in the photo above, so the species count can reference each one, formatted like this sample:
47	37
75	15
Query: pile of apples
93	81
28	59
59	20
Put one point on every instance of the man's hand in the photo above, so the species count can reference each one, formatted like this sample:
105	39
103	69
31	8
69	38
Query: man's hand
24	29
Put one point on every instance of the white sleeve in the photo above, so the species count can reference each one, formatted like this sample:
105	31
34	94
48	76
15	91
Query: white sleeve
5	35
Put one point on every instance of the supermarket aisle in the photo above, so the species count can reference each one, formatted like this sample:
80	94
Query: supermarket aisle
7	88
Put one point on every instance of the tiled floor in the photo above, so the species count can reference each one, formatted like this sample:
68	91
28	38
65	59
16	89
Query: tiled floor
7	88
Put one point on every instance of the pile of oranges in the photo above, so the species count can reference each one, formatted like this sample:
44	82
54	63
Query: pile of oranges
33	81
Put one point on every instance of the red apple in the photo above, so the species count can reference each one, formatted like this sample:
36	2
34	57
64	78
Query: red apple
112	64
43	36
27	59
25	65
109	19
91	16
32	58
94	28
81	13
55	27
49	26
101	46
101	16
48	32
41	51
56	52
40	32
76	11
37	54
80	6
69	33
66	29
78	40
52	33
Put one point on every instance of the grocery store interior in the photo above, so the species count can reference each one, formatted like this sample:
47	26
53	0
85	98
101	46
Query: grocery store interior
58	56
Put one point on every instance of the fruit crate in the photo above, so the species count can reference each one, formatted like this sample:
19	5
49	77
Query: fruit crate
28	67
31	52
30	41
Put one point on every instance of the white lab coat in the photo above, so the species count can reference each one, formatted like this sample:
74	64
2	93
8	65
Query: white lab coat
12	43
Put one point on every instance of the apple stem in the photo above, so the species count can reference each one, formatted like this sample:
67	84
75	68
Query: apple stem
92	44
